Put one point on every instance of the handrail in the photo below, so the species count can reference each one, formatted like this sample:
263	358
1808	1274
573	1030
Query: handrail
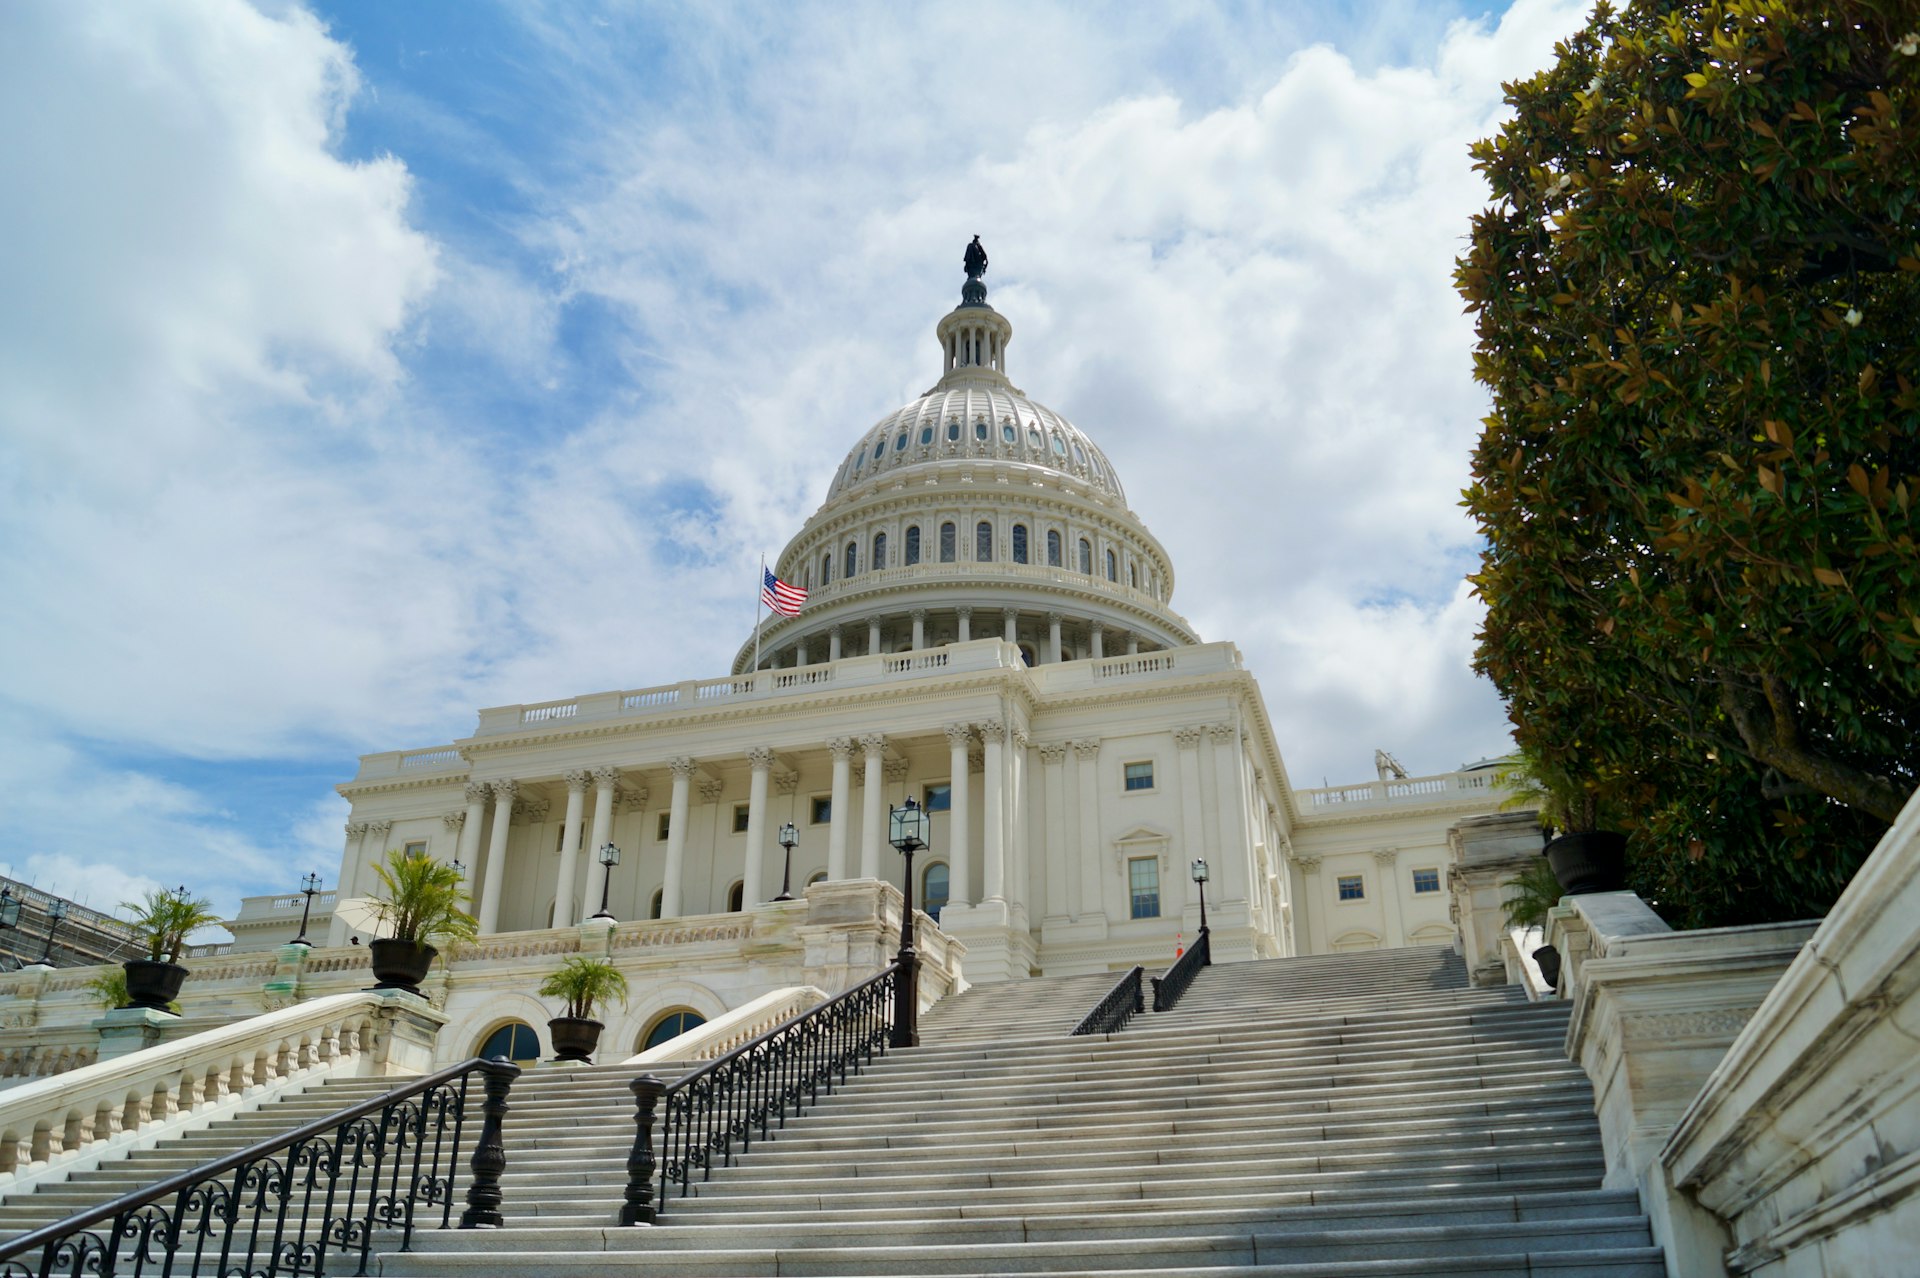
755	1087
1171	984
360	1176
1112	1012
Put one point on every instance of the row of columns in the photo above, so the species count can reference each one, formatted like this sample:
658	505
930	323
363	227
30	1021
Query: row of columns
1009	629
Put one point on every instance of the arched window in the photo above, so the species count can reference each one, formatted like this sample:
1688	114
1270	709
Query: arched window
1019	543
1008	434
1113	567
1059	446
653	909
826	568
515	1041
736	895
1053	548
671	1026
1086	556
913	545
853	559
953	430
947	538
933	888
879	448
980	428
926	436
900	441
819	876
879	559
1033	438
983	542
1133	575
806	578
1079	455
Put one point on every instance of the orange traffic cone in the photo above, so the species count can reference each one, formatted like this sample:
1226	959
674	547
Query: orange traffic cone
1179	944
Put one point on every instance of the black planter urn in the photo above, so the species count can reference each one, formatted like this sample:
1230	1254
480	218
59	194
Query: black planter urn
400	965
574	1038
1595	861
152	984
1549	960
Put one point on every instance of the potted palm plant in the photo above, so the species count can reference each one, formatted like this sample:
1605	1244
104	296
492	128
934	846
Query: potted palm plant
1529	896
418	898
162	918
584	984
1585	858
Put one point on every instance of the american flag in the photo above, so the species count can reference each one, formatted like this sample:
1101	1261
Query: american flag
778	595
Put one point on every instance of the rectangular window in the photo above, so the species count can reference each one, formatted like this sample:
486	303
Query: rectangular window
937	798
666	819
1139	776
822	809
1426	881
415	847
1143	885
739	818
1352	887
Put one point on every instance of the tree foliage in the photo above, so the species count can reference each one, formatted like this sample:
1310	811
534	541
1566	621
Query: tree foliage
422	899
1698	299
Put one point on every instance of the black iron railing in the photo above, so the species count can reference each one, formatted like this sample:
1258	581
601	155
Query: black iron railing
308	1202
1111	1013
1171	984
718	1111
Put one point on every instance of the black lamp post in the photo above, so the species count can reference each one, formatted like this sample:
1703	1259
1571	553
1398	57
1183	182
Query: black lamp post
788	837
908	834
9	913
56	911
609	857
308	885
1200	877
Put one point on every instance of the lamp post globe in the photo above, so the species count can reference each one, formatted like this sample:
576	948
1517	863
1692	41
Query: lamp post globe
788	838
609	856
1199	871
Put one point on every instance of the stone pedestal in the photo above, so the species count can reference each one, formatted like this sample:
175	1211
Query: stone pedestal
994	952
1485	853
131	1029
405	1029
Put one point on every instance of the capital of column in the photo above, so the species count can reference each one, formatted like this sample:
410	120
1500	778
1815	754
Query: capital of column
379	829
1021	738
895	769
958	734
993	730
606	778
578	780
761	758
1386	856
1054	618
710	791
918	614
1188	738
1053	751
786	782
534	810
836	630
1009	615
1309	864
454	820
840	747
1088	748
356	828
634	798
873	743
1222	731
964	610
682	766
477	791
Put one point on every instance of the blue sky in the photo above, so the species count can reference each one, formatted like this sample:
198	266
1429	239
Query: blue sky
369	363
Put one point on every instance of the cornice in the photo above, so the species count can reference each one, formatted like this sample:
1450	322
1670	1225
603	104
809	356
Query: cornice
354	789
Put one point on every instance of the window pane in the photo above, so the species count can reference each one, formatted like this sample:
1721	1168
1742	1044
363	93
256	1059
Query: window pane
1113	572
1143	886
739	818
822	809
1426	880
900	441
1007	432
933	890
938	798
983	542
926	434
666	819
1352	888
826	568
1019	543
980	428
853	560
673	1025
946	543
953	431
879	551
1086	556
913	545
1139	776
1053	548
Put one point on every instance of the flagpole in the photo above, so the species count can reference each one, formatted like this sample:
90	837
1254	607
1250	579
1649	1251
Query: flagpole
759	609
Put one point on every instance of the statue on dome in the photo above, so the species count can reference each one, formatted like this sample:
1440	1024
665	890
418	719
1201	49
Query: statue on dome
976	262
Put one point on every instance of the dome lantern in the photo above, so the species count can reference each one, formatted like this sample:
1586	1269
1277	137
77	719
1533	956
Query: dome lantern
973	336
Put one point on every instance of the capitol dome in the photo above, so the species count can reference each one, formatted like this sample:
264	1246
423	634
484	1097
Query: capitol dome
973	512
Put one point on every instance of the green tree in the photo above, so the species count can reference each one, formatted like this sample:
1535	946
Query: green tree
1698	307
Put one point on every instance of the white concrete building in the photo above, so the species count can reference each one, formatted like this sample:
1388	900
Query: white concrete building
989	631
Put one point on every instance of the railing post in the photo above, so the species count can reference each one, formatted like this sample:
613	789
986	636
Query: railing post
639	1209
489	1152
906	998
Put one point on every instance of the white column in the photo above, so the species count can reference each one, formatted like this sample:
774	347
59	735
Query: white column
1019	887
676	836
800	653
564	885
959	837
1233	881
1061	898
919	629
833	644
1309	905
469	853
496	873
872	818
604	782
993	848
751	892
873	635
1089	854
1099	633
966	622
1053	638
1010	625
1133	643
842	804
1389	885
1193	833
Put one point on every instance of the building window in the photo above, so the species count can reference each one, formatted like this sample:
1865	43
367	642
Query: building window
1143	886
1139	776
1133	575
1086	556
900	442
980	428
736	895
1425	881
933	889
937	798
826	568
671	1026
1019	543
653	907
853	559
1007	433
1053	548
515	1041
1079	455
913	545
666	826
1033	437
983	542
819	876
879	559
948	536
1351	887
415	847
953	431
740	817
1113	567
1059	447
926	436
879	448
822	809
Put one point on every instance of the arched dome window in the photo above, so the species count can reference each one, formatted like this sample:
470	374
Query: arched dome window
913	545
1086	556
980	428
1019	543
671	1025
1059	446
880	447
826	569
1033	438
806	577
926	436
853	559
953	430
934	888
1133	575
653	907
736	896
1113	568
1079	454
900	442
1053	547
983	542
948	535
1008	433
879	559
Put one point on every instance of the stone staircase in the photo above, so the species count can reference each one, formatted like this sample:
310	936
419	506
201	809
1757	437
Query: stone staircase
1347	1115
